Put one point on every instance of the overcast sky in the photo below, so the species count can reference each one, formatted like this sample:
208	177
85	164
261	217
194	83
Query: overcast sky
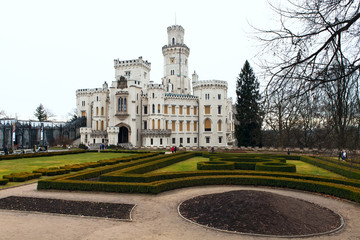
49	49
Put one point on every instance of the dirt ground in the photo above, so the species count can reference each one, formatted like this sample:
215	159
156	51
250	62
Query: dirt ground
154	216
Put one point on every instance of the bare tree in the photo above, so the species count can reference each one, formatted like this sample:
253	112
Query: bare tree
313	35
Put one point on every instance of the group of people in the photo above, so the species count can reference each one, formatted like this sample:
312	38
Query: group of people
342	155
173	149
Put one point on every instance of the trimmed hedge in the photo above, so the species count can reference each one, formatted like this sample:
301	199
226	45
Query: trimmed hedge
134	177
4	181
275	167
21	177
215	165
333	167
42	154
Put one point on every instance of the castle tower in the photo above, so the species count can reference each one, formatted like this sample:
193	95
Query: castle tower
176	55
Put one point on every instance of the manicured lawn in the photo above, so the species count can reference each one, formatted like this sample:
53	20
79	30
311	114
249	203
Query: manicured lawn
187	165
306	168
30	164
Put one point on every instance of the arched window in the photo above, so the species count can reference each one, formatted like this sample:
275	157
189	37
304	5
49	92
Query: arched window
125	105
219	125
97	125
97	111
153	108
173	41
102	111
153	124
207	125
102	125
158	124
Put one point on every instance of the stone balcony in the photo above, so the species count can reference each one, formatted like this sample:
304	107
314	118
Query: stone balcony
156	132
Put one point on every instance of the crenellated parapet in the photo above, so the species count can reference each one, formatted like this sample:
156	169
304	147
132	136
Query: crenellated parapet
210	83
179	96
132	63
87	91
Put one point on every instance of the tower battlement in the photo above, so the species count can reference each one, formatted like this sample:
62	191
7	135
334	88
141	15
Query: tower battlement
175	27
210	83
134	62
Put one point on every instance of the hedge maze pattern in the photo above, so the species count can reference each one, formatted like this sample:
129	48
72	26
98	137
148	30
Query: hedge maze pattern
133	174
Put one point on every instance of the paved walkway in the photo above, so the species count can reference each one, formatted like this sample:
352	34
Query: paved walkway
154	217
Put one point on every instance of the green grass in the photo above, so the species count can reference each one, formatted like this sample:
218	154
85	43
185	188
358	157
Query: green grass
187	165
301	167
30	164
306	168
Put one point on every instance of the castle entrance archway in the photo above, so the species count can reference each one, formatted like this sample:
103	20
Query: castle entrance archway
123	135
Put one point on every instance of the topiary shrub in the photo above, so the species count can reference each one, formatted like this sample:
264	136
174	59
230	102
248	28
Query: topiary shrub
275	167
215	165
4	181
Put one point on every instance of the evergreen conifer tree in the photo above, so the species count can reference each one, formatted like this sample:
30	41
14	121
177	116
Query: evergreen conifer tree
40	113
248	113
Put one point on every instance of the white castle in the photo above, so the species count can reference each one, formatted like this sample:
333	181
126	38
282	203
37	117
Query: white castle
179	112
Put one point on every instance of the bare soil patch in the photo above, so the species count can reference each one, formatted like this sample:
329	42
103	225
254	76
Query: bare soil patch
257	212
59	206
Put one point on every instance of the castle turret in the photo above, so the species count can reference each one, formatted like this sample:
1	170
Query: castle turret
176	55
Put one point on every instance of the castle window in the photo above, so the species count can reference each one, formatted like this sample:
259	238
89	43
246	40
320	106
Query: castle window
188	126
97	125
122	104
153	95
97	111
158	124
207	109
83	103
207	125
180	109
220	139
145	125
173	140
173	41
102	125
207	139
102	111
153	124
158	108
153	108
219	109
207	96
165	109
195	126
151	141
97	98
172	125
181	123
83	113
161	141
181	140
127	73
188	110
166	124
195	110
219	125
195	140
188	140
172	72
173	109
145	110
172	60
219	96
145	73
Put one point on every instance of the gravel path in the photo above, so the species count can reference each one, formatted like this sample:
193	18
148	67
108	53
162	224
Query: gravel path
154	217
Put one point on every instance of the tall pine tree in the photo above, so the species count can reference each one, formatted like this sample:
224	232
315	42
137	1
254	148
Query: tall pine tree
248	113
41	113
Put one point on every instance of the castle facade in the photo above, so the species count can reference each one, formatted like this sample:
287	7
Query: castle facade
180	111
